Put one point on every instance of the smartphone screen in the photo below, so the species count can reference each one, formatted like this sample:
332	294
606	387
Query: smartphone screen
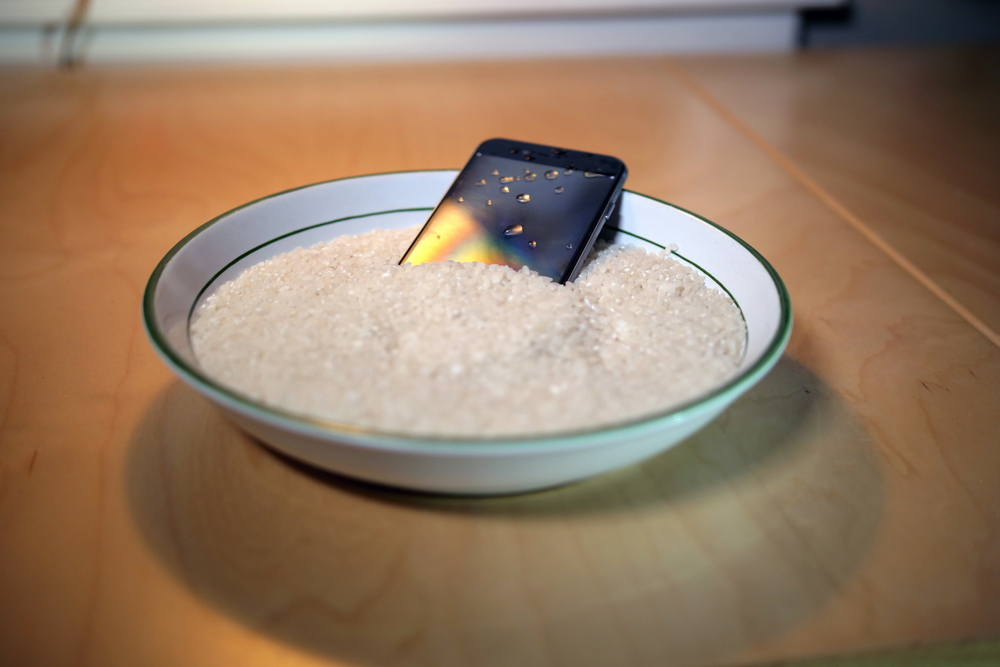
520	204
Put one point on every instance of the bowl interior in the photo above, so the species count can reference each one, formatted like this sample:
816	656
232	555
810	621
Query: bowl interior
222	248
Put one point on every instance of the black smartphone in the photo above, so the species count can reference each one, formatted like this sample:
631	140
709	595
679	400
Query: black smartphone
522	204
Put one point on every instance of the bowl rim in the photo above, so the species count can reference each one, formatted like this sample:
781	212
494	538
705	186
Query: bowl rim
483	445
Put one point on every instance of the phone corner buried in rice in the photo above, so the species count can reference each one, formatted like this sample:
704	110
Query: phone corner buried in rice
520	204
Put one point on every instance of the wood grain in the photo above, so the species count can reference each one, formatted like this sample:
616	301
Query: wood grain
848	502
906	140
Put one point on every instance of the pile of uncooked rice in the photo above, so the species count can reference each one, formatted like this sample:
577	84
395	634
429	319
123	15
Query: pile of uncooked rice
339	331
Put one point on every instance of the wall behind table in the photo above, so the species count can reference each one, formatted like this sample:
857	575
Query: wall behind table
187	30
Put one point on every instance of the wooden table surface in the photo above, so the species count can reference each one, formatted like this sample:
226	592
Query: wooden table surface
849	502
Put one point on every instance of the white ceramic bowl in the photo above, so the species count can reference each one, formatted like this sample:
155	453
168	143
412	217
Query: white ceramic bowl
221	249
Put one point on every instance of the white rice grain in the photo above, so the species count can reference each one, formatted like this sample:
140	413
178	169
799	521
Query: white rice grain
340	332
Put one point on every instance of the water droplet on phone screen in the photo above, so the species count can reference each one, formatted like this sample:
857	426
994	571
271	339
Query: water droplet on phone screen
559	190
461	199
591	174
513	230
533	244
569	246
495	172
481	182
489	202
524	198
507	179
505	189
568	172
551	174
531	177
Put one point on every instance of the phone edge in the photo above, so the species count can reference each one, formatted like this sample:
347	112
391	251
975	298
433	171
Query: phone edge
609	208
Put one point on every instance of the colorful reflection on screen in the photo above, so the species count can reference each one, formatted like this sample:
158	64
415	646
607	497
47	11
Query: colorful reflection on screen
507	211
458	236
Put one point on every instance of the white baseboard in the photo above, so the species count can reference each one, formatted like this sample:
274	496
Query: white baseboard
417	40
29	46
